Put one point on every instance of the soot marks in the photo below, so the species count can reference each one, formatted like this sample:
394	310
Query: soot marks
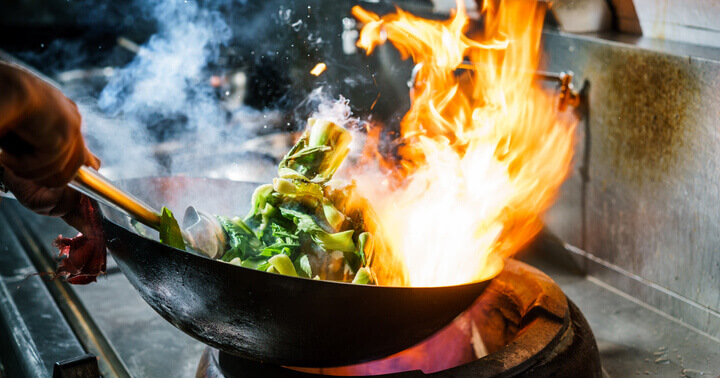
649	108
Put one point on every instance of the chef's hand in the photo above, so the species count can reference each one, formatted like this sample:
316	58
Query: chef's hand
41	147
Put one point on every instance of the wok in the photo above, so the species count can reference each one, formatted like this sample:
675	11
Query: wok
263	316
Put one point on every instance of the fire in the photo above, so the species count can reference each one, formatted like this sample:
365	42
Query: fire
318	69
482	151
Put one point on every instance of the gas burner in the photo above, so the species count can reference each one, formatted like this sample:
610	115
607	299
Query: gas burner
521	326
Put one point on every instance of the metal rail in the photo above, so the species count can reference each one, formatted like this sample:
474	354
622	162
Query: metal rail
23	347
91	337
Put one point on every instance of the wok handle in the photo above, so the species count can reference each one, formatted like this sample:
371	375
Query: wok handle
94	185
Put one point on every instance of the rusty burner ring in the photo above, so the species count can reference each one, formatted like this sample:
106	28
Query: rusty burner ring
527	326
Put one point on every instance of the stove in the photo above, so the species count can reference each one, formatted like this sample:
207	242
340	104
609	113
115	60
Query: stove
521	326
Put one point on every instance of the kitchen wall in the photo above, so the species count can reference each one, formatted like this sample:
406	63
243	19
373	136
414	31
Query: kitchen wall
643	203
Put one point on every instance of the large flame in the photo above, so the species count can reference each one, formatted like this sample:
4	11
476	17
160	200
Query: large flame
483	149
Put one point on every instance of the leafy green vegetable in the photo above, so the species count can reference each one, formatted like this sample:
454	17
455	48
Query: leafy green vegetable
284	186
354	261
366	246
170	233
255	263
283	265
241	239
363	276
318	153
260	198
302	266
333	215
340	241
293	227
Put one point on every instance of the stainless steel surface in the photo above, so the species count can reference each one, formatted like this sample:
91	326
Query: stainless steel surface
130	339
90	336
34	334
28	356
634	338
147	344
644	197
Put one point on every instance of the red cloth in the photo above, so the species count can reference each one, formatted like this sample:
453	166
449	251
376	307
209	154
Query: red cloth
83	257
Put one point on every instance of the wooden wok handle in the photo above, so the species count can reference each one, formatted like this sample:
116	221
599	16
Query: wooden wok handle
94	185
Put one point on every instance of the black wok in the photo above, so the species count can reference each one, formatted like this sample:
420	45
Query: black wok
263	316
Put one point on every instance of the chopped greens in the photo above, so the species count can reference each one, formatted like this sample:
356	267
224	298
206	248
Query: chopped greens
170	233
318	154
283	265
363	276
302	266
241	239
293	227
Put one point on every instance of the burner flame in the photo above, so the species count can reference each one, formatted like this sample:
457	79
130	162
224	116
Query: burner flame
481	153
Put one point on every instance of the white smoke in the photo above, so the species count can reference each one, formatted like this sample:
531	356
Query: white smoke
165	80
121	145
335	110
164	92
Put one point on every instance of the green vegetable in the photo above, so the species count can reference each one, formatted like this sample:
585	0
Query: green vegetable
333	215
284	186
366	246
340	241
258	264
283	265
260	198
354	261
302	266
318	153
170	233
241	239
363	276
294	222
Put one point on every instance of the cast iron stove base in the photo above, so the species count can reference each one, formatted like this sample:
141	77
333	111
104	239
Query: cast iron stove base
521	326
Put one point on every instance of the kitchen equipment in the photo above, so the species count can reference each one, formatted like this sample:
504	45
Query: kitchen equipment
263	316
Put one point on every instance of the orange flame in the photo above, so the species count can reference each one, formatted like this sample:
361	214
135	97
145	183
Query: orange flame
318	69
483	151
